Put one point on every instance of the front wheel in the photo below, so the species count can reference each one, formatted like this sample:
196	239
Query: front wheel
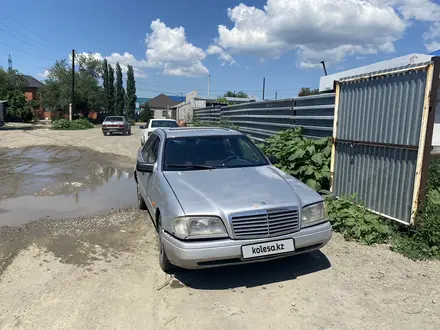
164	262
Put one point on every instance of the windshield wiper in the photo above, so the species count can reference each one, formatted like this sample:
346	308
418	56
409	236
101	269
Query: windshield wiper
186	166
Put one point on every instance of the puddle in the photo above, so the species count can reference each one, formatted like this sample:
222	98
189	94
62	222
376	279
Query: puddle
60	183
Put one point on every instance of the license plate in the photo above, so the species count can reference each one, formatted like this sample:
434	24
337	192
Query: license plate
267	248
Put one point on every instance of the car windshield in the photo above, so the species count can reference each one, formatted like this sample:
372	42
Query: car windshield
164	123
209	152
114	118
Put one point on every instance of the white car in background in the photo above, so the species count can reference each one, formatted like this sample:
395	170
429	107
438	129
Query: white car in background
153	124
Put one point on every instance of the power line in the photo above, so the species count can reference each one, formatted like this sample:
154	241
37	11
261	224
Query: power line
25	41
24	27
24	52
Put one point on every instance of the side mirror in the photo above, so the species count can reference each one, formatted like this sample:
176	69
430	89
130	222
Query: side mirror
272	159
144	167
142	127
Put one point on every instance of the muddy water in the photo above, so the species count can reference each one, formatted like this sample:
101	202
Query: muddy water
58	183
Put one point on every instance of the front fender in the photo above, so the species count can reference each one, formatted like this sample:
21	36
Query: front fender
166	202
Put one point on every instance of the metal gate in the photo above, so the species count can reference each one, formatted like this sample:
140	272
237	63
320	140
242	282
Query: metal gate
382	138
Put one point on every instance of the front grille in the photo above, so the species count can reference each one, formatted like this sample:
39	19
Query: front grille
265	223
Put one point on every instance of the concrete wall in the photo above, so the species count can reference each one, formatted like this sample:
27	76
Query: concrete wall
159	113
185	110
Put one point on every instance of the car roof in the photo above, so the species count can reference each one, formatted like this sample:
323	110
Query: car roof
176	132
163	119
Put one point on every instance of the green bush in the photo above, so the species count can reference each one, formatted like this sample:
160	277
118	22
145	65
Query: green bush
423	241
60	123
77	124
306	159
419	242
356	223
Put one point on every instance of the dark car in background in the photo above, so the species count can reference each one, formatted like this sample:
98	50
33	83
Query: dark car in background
116	125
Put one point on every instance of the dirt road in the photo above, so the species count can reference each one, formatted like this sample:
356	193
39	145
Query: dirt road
100	272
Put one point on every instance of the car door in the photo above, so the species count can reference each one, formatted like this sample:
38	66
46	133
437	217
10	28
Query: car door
151	189
148	155
143	157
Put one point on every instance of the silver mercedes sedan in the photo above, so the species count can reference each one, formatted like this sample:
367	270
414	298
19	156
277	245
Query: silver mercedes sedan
216	200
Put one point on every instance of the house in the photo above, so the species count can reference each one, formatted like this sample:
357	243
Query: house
32	93
184	110
140	101
161	106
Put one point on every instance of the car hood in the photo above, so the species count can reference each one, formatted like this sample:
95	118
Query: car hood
232	190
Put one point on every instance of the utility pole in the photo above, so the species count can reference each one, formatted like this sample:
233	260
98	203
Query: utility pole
323	65
10	62
73	80
209	84
276	95
264	86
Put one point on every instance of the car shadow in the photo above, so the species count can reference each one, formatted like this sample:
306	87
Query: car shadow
18	128
253	275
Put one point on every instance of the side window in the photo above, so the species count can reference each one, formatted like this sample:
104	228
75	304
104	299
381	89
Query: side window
247	151
152	156
146	150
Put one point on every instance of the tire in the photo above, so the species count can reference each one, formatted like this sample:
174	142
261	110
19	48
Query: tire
164	262
105	134
141	201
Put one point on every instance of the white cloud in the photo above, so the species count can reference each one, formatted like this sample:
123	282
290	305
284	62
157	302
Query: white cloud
427	11
432	46
317	29
213	49
44	74
222	55
124	60
420	10
168	48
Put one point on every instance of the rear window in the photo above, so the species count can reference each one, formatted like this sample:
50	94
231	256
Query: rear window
164	123
114	118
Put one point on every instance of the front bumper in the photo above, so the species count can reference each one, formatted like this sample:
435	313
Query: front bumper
206	254
113	130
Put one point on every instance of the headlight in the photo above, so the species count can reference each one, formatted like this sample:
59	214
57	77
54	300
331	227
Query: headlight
198	227
313	214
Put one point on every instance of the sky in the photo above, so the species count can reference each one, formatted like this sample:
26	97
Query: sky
173	45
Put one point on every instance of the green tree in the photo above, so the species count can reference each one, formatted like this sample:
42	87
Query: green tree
240	94
146	113
119	92
12	87
11	80
18	110
105	84
88	93
305	91
131	93
223	100
111	90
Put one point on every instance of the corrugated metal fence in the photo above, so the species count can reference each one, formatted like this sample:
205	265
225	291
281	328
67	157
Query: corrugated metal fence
263	119
208	114
382	138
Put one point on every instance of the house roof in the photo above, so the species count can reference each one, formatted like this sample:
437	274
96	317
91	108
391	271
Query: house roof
161	101
177	98
32	82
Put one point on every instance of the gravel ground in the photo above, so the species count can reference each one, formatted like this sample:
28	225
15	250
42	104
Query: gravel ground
102	272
